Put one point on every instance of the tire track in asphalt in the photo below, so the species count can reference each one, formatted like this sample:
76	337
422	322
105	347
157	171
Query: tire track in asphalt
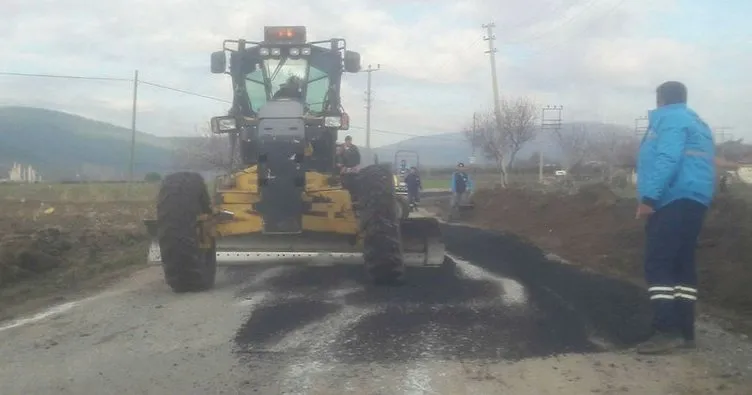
321	322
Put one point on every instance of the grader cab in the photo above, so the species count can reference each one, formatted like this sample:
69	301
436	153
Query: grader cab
284	197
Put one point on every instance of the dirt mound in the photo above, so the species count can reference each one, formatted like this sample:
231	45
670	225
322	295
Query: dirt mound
48	247
596	229
25	255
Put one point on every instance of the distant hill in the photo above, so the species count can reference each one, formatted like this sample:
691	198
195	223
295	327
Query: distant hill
61	146
450	148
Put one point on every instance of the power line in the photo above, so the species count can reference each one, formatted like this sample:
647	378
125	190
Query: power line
72	77
608	12
137	82
169	88
94	78
564	23
530	21
382	131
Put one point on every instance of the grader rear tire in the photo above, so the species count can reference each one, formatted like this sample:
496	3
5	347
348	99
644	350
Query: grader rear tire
183	196
382	244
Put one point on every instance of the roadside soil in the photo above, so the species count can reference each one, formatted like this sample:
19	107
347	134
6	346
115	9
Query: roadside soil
49	251
596	230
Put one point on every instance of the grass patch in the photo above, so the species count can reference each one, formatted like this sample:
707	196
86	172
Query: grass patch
93	192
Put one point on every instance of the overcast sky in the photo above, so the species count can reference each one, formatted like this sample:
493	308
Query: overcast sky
600	59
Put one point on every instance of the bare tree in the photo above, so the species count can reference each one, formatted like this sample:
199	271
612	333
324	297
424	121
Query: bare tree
203	152
574	144
502	137
492	140
614	148
519	121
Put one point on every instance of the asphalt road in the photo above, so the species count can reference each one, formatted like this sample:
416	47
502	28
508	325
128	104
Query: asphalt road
498	318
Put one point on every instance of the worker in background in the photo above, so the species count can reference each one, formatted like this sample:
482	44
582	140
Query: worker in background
460	184
350	153
675	185
349	162
338	150
414	186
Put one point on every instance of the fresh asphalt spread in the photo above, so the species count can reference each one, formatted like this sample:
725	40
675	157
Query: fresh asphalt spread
497	298
321	329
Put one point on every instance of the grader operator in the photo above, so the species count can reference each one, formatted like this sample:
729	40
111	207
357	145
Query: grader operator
284	197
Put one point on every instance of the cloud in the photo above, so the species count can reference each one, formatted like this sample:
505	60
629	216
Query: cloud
601	59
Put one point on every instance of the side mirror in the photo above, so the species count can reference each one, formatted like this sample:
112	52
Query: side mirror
218	62
224	125
352	62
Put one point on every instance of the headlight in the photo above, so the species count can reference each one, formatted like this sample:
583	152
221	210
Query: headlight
276	51
306	51
294	51
264	51
332	122
223	125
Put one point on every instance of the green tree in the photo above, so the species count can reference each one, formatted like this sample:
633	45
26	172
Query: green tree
153	177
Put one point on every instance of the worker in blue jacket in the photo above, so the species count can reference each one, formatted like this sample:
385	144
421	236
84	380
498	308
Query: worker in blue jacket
461	184
675	186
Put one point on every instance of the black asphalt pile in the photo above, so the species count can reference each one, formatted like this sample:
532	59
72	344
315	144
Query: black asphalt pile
440	313
613	310
596	230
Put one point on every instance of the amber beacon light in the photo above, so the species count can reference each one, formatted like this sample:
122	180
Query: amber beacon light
285	34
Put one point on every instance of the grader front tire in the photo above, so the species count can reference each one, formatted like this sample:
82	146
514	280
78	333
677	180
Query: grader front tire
380	225
182	198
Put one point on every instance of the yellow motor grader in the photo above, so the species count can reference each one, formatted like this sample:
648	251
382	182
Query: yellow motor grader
284	197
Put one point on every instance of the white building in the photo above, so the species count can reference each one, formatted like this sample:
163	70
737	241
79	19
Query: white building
21	173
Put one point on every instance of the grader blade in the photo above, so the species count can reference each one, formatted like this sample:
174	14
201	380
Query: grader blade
421	246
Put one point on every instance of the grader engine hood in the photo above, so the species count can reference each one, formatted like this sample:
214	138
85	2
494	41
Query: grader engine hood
281	136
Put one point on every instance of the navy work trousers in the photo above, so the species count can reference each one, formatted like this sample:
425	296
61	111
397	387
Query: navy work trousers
413	195
671	239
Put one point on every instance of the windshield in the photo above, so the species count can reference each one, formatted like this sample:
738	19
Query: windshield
287	78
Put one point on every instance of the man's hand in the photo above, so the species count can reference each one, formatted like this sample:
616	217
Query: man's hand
643	210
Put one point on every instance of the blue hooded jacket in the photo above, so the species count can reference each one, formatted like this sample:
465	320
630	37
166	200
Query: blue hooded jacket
453	183
676	159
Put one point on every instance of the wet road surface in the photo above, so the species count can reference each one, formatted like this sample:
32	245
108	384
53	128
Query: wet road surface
498	317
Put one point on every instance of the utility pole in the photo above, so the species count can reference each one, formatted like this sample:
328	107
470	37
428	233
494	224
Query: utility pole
640	126
490	37
369	101
722	132
553	122
473	142
133	128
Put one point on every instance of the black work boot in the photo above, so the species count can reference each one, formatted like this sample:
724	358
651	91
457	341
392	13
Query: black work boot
661	343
